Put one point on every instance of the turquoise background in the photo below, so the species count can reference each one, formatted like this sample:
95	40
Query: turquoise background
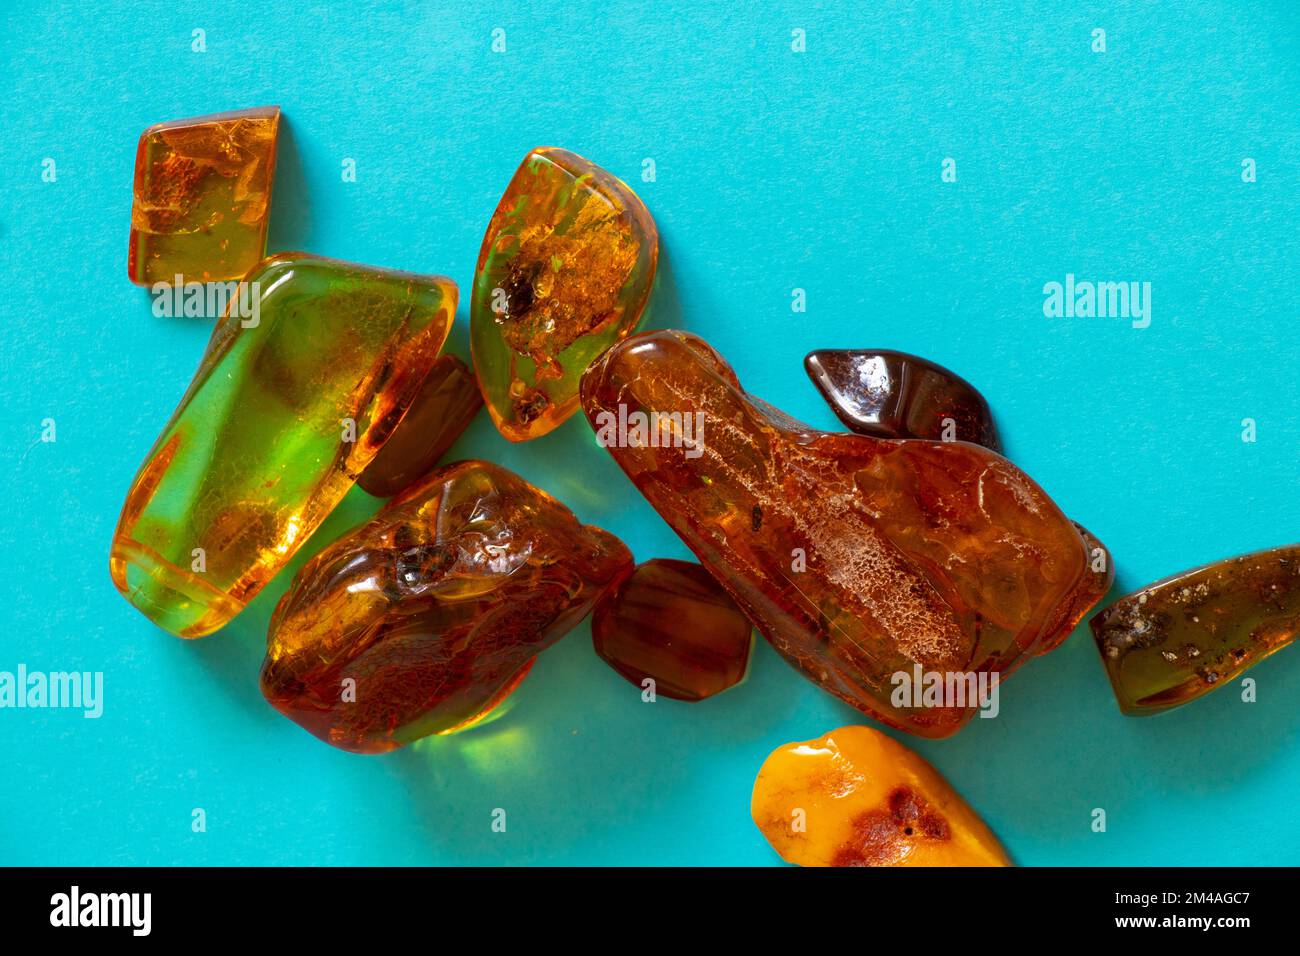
775	170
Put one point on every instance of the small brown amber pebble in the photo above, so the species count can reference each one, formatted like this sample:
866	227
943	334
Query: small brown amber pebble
856	797
672	622
895	395
856	557
1182	637
202	197
448	401
424	618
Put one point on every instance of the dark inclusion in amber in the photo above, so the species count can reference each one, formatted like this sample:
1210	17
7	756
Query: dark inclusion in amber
671	622
1179	638
448	401
423	619
895	395
856	557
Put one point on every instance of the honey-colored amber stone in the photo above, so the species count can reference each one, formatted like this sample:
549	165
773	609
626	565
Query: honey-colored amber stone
895	395
856	797
202	197
671	622
565	270
856	557
1181	637
448	401
287	406
424	618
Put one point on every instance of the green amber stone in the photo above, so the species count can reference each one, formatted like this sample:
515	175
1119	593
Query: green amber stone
312	368
565	271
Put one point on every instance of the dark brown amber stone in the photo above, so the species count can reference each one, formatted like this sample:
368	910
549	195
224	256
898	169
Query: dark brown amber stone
856	557
895	395
424	618
448	401
1182	637
670	621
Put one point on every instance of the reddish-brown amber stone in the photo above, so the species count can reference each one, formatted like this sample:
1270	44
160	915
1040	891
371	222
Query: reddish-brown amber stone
895	395
670	621
1181	637
424	618
857	557
448	401
203	197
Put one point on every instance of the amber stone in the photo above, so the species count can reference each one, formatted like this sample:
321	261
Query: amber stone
422	619
856	557
895	395
565	270
1181	637
202	197
670	621
448	401
287	406
856	797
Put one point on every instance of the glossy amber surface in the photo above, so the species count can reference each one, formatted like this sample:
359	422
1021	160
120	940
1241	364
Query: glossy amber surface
424	618
895	395
855	557
565	270
448	401
284	411
1182	637
856	797
671	622
202	197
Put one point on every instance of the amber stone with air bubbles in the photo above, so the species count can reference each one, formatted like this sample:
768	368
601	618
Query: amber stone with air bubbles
1180	638
671	622
423	619
856	557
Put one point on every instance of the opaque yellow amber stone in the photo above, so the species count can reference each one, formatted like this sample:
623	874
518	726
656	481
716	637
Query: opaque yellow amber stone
857	797
202	195
565	271
287	407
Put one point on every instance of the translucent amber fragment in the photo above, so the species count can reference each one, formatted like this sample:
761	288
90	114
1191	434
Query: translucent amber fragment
447	403
287	406
856	557
565	271
202	195
670	621
1182	637
895	395
856	797
424	618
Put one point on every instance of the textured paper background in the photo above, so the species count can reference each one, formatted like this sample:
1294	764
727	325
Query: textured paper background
776	170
